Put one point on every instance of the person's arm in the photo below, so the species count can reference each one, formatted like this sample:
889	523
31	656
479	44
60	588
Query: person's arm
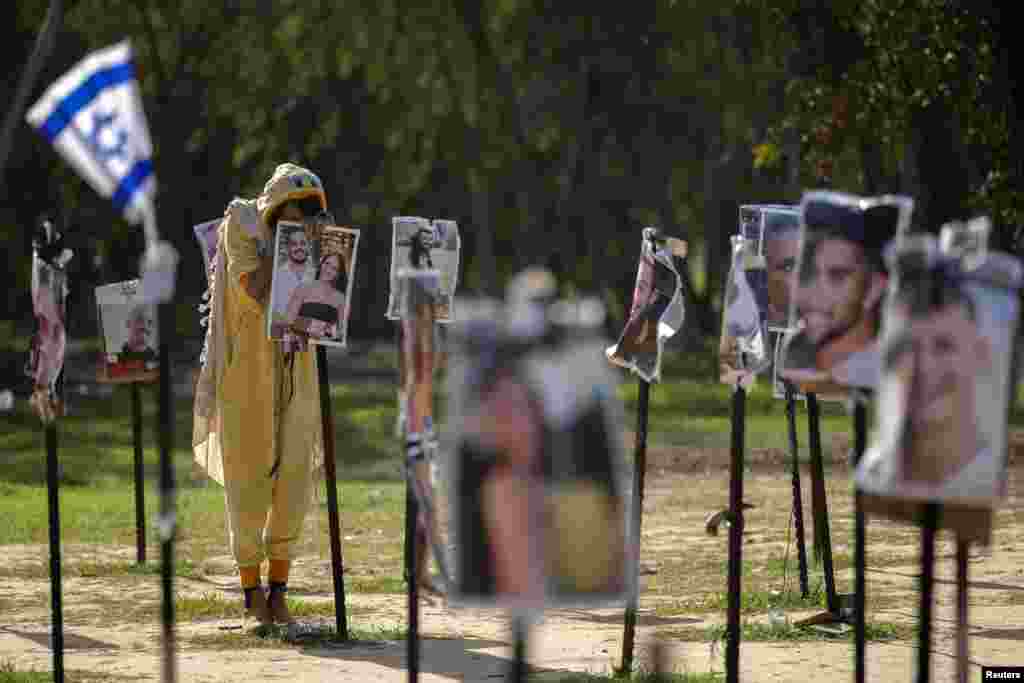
257	282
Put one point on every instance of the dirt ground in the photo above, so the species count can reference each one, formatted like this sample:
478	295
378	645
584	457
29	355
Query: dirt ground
475	644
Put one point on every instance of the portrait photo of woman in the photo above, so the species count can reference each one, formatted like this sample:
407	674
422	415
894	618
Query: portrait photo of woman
316	308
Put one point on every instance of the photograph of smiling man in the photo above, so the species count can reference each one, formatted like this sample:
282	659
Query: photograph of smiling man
840	285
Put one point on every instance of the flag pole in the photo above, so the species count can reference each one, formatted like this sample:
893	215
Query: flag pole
44	45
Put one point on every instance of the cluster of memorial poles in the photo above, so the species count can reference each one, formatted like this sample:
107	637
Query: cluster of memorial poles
736	496
929	520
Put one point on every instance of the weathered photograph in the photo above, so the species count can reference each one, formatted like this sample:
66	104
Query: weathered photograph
312	282
946	383
539	506
420	243
657	310
129	331
841	283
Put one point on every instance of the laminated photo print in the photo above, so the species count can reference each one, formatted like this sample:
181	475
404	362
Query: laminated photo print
311	289
538	509
742	349
423	244
657	310
129	331
840	286
49	341
947	352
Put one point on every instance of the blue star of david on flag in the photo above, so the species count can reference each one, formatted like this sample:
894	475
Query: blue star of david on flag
93	116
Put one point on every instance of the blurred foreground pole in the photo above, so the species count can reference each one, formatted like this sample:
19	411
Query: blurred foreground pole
53	496
412	640
924	643
331	476
44	45
732	645
962	648
168	513
639	467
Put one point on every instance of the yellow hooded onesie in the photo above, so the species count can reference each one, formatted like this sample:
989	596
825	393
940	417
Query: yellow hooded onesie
255	405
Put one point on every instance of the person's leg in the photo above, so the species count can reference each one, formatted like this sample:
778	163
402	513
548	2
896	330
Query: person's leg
247	497
300	439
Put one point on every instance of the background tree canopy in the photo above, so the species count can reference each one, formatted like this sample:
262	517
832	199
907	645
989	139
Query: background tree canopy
552	136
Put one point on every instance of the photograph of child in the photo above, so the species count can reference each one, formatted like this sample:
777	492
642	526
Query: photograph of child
129	331
657	312
312	284
841	281
943	397
420	243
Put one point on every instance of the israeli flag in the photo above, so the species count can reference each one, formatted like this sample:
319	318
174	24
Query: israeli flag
93	116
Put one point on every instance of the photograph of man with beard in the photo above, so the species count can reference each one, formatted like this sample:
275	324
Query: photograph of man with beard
781	250
841	280
294	267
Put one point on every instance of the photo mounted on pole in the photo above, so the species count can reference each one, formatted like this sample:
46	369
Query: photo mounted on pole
657	311
947	355
841	283
537	499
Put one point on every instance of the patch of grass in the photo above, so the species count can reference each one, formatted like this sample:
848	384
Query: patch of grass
763	632
91	569
639	677
212	605
751	601
276	637
10	673
375	584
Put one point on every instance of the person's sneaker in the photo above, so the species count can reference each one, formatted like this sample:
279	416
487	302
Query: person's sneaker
278	604
256	607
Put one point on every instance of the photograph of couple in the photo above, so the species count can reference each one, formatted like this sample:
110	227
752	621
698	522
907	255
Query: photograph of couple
312	284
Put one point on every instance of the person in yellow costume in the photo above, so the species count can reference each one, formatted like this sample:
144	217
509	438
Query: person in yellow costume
257	426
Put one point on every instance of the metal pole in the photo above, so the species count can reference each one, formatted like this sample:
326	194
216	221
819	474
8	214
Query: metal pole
517	673
53	496
44	45
962	648
331	476
930	522
860	437
140	491
732	646
168	514
819	503
798	507
413	637
639	468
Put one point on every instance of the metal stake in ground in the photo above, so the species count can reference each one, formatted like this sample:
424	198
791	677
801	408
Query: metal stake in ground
639	467
732	645
962	648
53	496
517	668
929	523
140	492
819	504
860	438
798	506
331	476
413	638
168	513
